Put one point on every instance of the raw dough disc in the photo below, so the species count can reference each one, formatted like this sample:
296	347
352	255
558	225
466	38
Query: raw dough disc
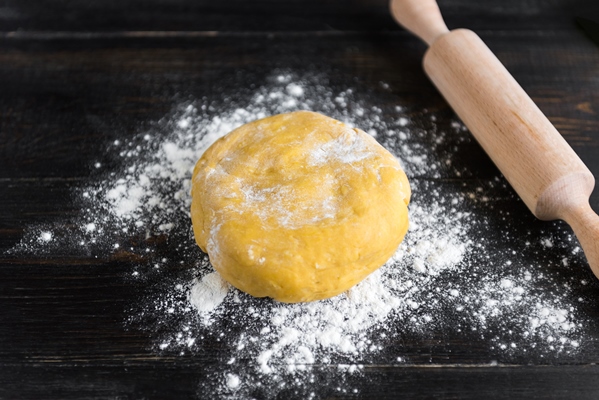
298	206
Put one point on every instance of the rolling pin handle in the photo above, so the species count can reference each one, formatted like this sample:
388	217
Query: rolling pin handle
421	17
585	224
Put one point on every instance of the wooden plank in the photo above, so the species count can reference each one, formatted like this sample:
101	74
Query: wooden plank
273	15
62	99
181	380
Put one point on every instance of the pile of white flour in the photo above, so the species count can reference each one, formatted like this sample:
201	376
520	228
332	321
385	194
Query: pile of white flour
448	279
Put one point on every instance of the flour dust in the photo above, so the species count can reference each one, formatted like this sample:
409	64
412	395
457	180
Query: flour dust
459	274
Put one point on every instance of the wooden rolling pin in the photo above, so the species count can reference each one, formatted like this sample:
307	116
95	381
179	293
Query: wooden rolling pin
539	164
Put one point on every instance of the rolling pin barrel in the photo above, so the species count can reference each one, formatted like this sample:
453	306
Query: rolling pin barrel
539	164
513	131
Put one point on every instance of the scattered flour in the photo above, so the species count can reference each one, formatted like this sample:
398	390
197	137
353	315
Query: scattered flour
46	236
458	274
208	293
348	147
232	381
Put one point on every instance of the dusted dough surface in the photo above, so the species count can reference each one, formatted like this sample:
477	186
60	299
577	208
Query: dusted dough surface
298	206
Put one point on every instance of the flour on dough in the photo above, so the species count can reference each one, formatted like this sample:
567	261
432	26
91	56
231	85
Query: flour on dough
298	206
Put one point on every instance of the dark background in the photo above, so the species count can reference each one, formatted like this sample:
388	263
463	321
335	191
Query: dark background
75	75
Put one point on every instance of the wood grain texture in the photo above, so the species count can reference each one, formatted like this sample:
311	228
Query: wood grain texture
76	78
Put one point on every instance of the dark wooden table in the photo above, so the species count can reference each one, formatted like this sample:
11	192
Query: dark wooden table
77	75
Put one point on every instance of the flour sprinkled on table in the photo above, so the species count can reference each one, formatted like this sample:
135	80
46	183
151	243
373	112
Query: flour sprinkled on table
445	280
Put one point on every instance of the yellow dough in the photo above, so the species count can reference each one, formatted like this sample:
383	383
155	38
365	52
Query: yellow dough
298	206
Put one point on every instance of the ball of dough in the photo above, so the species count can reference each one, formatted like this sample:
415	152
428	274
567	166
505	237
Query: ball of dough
298	206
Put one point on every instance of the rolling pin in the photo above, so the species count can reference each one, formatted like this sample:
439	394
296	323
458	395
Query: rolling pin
532	155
